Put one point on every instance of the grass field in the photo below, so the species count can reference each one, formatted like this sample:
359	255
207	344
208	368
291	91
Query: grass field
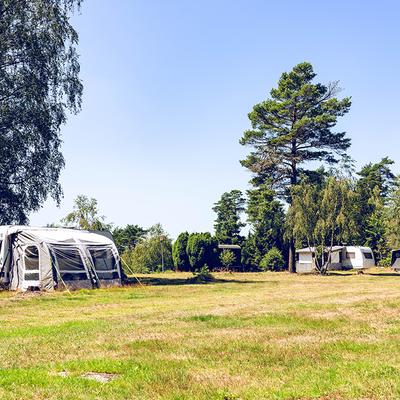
247	336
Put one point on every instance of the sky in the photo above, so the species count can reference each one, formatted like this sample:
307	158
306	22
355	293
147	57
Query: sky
168	85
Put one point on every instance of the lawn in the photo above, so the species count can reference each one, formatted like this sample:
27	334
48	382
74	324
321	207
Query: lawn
246	336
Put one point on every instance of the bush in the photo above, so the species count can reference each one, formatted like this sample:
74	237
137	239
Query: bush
149	254
385	262
227	258
201	250
179	255
272	261
130	264
203	275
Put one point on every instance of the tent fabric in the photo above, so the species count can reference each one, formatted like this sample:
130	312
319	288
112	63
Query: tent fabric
49	258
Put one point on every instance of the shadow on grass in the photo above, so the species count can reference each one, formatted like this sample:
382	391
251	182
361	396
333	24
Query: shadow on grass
157	281
354	273
383	274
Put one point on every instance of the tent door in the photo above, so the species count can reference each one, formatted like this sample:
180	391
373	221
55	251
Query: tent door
31	267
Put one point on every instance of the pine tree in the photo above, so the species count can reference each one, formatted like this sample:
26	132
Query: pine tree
228	224
292	128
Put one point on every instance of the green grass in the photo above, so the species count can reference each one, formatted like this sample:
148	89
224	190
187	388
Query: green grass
244	336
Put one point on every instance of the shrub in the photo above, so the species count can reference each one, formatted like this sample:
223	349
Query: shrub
179	255
203	275
227	258
201	250
272	261
385	262
130	264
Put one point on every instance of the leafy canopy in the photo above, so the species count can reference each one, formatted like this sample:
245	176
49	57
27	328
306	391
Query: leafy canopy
39	85
128	237
152	253
377	175
322	217
375	184
85	215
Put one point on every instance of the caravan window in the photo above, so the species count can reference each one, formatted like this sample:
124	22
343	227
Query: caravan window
350	255
70	263
104	263
31	263
368	256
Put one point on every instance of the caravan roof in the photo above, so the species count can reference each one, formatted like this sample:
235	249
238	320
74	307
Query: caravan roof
312	249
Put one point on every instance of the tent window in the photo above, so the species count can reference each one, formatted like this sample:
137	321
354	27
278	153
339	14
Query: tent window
104	263
368	256
31	258
32	276
350	255
70	263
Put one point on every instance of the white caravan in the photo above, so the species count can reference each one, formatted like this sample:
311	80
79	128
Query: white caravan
342	257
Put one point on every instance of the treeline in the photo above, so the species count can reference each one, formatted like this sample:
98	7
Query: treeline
334	207
290	204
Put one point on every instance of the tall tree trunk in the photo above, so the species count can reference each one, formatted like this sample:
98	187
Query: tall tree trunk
292	257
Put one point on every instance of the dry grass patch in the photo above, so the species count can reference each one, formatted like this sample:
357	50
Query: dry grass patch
247	336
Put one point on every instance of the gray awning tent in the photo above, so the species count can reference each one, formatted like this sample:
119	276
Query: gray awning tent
50	258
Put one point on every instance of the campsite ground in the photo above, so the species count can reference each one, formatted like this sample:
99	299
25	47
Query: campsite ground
248	336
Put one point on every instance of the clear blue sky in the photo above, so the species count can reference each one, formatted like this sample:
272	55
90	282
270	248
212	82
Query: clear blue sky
168	85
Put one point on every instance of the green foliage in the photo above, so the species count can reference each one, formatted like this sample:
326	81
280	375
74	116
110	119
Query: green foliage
248	251
392	217
86	215
227	258
39	86
321	217
293	127
179	255
228	224
272	261
385	262
375	183
203	275
135	260
375	227
201	250
266	218
378	175
150	253
127	238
